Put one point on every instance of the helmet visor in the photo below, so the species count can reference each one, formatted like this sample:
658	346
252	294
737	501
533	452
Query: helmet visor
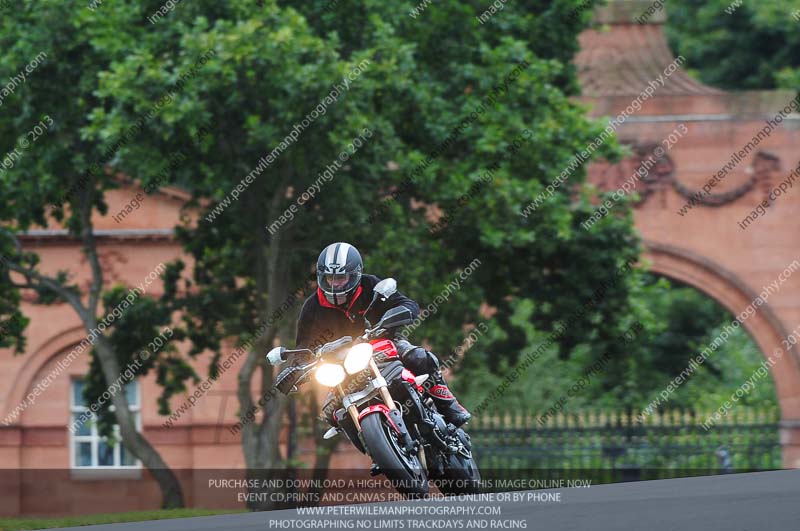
339	282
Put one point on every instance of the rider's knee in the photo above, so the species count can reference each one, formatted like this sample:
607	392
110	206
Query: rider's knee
420	361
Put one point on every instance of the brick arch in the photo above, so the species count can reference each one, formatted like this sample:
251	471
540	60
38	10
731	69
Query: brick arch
715	142
60	343
764	327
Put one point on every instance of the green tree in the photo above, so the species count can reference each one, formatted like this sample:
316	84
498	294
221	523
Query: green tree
684	317
687	321
756	46
677	322
418	90
456	118
58	176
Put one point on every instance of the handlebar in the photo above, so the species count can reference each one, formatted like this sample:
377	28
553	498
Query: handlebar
292	376
334	345
390	321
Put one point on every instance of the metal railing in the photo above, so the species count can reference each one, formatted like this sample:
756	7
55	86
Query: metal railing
609	446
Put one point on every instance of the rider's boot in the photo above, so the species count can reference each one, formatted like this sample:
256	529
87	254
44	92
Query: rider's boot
446	402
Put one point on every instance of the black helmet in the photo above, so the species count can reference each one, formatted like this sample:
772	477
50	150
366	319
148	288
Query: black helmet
339	272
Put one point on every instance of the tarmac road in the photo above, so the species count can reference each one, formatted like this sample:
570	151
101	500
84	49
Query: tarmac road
763	501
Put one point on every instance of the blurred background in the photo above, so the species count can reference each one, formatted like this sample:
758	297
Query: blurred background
171	171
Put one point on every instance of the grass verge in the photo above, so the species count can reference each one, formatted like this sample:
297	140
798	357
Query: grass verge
15	524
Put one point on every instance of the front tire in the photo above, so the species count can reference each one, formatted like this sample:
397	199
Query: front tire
403	470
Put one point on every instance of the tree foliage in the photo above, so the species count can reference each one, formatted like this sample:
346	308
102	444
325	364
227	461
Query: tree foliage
466	120
757	46
57	178
272	64
675	322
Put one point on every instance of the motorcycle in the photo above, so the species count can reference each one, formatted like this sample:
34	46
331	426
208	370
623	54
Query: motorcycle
381	406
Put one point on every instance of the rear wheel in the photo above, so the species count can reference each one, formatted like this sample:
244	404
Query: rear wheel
403	469
461	474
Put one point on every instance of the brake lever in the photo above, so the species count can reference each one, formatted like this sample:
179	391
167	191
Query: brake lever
305	370
333	345
377	332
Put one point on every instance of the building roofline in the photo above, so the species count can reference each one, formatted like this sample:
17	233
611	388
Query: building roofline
117	234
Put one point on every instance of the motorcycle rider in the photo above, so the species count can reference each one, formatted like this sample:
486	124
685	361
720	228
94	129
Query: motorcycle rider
343	294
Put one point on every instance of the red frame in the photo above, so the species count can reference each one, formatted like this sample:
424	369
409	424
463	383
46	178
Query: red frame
386	346
411	378
379	408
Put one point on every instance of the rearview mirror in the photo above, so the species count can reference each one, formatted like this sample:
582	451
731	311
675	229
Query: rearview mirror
386	287
399	316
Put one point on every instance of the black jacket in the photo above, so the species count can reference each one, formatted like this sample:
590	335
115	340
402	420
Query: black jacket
321	322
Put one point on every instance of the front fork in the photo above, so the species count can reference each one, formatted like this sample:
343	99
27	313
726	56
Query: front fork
387	397
393	411
383	390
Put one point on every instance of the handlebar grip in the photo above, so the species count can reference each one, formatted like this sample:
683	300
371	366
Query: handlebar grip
276	356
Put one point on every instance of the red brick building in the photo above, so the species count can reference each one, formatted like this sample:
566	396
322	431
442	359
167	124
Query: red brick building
746	142
705	248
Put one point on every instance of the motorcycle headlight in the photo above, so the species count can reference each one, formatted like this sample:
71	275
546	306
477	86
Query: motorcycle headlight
329	374
358	358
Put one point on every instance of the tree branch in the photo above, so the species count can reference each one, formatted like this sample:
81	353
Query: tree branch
51	284
43	281
90	247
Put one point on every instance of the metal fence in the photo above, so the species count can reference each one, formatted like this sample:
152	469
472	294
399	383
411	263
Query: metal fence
609	446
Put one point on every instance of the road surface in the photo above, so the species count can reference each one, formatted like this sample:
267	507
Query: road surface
763	501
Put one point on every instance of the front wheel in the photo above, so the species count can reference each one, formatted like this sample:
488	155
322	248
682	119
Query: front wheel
402	468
